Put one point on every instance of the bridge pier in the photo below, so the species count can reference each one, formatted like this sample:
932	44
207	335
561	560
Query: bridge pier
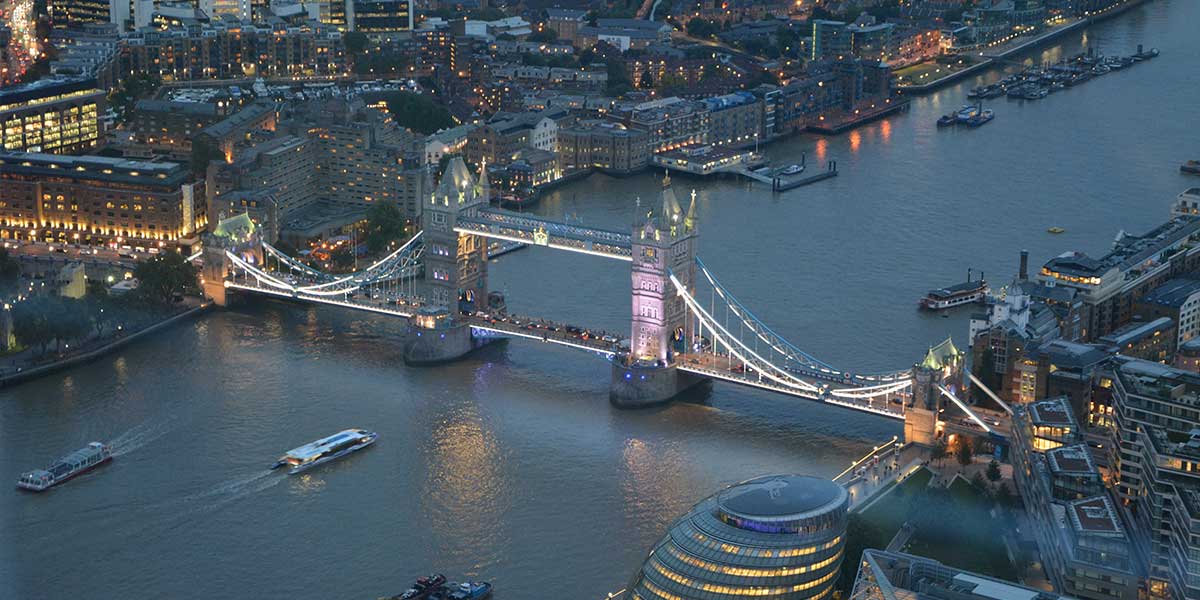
434	338
643	386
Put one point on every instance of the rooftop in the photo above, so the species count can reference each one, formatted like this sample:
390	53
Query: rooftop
780	496
1129	251
1054	412
1136	332
1071	459
1173	293
1094	515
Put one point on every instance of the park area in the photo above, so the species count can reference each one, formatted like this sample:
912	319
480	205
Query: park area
952	525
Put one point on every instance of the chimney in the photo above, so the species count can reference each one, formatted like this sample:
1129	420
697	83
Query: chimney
1023	272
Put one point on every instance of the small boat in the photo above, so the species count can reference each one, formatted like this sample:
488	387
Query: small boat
946	120
981	118
325	450
1055	230
472	590
793	170
1191	166
966	112
1100	69
1035	93
76	463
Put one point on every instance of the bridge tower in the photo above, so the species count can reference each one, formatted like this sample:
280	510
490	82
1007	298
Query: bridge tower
662	245
942	366
236	234
455	277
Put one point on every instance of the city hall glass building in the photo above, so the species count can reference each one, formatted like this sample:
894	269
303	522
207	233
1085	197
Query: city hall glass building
779	536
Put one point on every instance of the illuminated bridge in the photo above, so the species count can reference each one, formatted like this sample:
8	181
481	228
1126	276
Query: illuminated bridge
686	326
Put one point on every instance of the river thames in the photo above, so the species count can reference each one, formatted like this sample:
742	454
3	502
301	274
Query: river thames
511	466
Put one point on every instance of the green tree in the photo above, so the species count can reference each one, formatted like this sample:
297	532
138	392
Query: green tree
939	450
418	112
545	35
618	79
356	42
204	152
646	81
702	28
963	451
164	276
31	322
1004	495
10	273
993	471
978	481
385	225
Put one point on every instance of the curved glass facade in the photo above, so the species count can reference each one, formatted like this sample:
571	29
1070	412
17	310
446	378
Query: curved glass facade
780	536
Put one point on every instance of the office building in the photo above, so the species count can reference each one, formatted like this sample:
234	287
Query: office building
603	145
98	200
778	536
56	116
165	128
379	18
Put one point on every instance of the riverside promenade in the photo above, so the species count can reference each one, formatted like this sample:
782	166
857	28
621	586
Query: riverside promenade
1006	52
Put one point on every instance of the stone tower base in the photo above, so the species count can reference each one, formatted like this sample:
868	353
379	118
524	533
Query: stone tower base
444	344
637	387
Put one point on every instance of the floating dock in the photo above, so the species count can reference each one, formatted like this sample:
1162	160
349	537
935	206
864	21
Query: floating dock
783	183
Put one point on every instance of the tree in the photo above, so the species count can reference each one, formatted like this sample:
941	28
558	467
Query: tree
618	79
702	28
418	112
963	452
31	322
993	471
939	450
977	481
385	225
545	35
204	152
10	273
356	42
646	81
1004	495
164	276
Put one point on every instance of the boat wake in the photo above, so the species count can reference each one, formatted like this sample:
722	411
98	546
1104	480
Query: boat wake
141	435
227	492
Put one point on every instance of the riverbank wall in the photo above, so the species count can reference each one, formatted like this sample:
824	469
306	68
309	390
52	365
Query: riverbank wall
90	355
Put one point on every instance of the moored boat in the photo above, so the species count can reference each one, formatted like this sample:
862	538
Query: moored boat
326	449
1191	166
472	590
946	120
968	292
76	463
981	118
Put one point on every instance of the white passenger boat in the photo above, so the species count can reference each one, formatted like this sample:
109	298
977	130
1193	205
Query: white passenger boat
76	463
326	449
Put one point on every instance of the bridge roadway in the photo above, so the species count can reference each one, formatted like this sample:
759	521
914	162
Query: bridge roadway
732	370
580	338
517	227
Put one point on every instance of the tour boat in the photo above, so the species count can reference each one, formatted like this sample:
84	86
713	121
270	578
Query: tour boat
76	463
968	292
326	449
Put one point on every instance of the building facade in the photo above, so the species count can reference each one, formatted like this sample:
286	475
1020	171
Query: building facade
98	200
56	116
779	536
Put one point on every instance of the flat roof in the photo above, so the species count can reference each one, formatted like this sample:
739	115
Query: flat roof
1052	411
1094	515
1173	293
780	496
1071	459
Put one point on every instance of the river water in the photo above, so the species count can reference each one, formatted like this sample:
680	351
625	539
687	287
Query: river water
511	466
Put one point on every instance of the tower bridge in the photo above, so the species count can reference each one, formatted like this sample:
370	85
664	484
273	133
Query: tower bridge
686	327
